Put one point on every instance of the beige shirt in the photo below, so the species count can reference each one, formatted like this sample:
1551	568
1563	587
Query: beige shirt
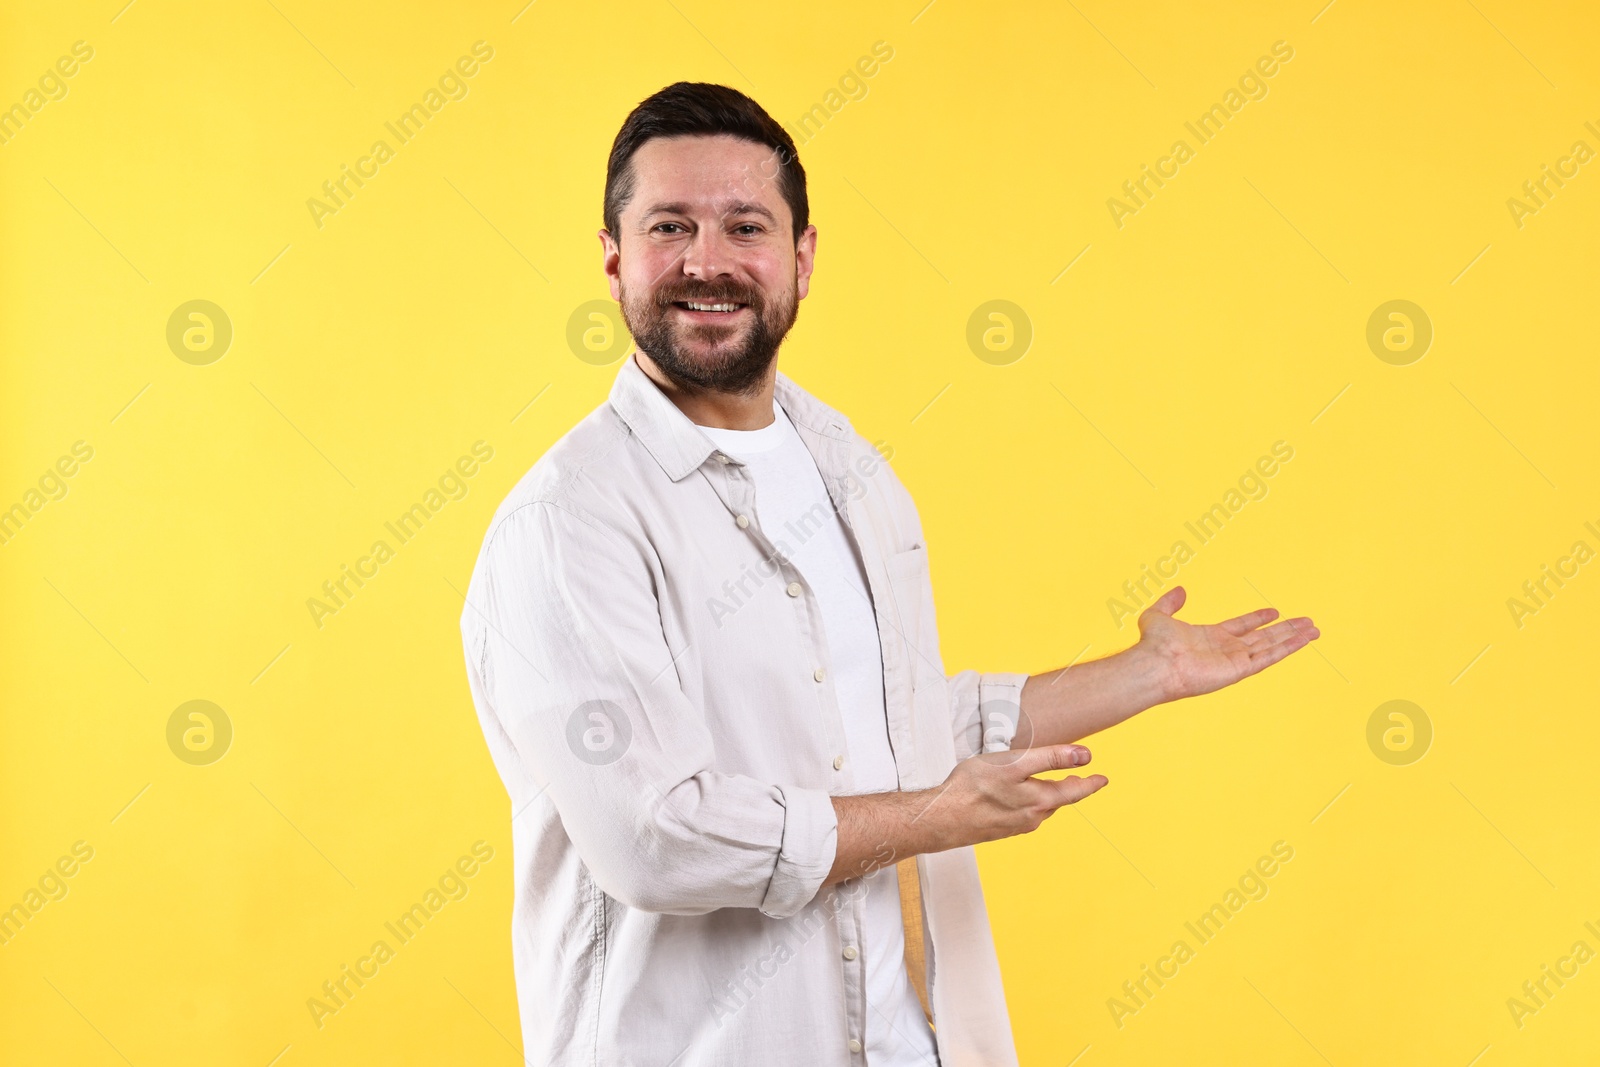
652	678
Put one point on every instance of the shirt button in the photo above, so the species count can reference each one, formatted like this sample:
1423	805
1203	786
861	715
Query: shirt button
819	674
855	1046
849	952
721	458
794	589
743	521
838	761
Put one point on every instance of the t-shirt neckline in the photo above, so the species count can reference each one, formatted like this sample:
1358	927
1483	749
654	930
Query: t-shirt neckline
746	442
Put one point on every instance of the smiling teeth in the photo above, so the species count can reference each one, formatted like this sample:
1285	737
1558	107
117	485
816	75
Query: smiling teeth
711	307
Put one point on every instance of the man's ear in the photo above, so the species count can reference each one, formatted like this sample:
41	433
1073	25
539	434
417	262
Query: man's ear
611	262
805	257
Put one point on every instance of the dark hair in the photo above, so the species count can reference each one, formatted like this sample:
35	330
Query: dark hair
701	109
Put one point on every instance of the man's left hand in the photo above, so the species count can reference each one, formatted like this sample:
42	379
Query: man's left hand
1202	659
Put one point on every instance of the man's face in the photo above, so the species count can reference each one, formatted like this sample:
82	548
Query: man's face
705	265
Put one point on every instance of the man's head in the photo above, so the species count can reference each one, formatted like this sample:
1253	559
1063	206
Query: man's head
705	205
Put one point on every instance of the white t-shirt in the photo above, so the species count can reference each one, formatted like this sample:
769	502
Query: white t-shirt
794	511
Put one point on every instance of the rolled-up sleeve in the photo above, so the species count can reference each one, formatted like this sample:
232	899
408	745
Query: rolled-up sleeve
986	710
579	674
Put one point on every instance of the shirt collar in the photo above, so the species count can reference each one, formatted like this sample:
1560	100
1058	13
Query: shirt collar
677	443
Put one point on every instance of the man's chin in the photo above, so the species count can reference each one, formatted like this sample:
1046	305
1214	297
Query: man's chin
723	367
710	346
717	356
714	367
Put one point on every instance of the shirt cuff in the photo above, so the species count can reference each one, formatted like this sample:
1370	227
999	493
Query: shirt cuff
810	841
1000	709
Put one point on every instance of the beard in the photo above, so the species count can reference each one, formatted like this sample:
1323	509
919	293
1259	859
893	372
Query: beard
710	356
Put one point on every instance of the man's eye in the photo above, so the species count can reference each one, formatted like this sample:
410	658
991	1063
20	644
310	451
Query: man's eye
749	229
665	224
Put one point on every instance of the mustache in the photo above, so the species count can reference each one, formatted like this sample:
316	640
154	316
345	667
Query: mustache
708	294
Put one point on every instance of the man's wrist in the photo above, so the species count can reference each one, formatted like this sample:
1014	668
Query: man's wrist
1149	677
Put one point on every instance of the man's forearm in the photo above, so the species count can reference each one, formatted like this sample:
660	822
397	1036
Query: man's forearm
1076	701
879	829
985	798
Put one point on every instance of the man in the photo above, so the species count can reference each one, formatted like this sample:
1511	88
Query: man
701	641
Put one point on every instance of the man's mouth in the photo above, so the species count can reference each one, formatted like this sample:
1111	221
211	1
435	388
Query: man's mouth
706	308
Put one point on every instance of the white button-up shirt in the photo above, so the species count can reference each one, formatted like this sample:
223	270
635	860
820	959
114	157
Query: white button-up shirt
645	668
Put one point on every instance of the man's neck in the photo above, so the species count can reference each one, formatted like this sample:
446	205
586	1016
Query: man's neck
710	407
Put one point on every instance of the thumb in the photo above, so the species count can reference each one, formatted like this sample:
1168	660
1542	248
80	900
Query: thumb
1167	604
1032	761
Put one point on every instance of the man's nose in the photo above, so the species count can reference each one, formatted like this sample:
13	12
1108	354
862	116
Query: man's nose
708	256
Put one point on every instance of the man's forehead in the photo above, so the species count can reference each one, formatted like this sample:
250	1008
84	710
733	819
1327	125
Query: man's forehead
717	173
688	148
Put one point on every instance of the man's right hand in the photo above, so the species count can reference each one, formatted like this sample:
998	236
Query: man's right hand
995	795
985	798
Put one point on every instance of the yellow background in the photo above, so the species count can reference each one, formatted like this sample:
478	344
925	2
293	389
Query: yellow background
427	314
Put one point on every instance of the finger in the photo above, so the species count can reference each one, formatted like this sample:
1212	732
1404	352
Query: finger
1268	636
1243	624
1260	659
1034	761
1071	789
1168	603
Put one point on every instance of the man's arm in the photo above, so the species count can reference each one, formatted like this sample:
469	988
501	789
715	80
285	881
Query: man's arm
576	670
1171	660
994	795
985	798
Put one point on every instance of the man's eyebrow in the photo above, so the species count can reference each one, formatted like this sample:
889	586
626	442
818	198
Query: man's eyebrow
742	207
745	208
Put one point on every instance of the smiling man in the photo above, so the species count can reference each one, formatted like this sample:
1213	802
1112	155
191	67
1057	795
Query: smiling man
701	642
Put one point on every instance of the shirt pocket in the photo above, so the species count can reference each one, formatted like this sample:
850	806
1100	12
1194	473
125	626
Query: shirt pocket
931	732
911	587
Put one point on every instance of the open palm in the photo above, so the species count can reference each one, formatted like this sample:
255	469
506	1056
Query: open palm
1202	659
